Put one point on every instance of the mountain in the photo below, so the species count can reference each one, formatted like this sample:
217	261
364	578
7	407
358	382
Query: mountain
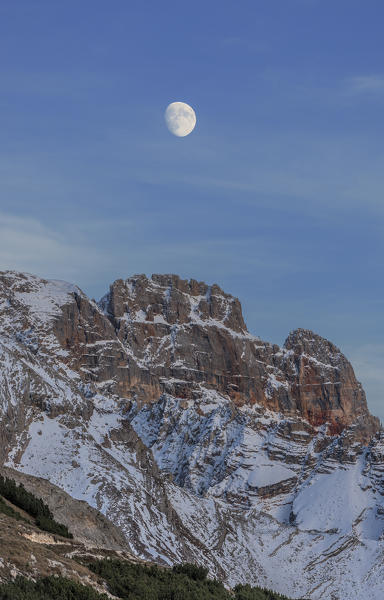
199	441
27	550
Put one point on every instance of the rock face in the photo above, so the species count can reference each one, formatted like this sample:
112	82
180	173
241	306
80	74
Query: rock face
91	527
181	334
165	333
29	552
198	440
324	386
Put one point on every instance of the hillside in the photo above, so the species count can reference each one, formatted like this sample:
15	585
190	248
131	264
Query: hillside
41	566
200	442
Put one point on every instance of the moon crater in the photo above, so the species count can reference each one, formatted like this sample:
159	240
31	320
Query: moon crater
180	118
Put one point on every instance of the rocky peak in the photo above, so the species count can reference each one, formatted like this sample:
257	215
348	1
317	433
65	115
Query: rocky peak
151	335
32	299
325	385
202	442
168	299
305	341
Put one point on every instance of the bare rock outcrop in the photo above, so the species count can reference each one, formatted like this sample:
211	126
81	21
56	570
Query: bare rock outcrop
198	440
162	334
181	334
91	527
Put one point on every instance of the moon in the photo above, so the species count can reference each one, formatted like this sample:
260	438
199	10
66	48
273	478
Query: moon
180	118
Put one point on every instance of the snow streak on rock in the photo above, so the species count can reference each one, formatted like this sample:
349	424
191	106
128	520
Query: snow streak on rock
138	406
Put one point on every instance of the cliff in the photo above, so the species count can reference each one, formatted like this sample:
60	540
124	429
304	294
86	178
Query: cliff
198	440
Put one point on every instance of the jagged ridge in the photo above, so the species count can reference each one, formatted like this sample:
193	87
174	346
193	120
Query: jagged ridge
199	440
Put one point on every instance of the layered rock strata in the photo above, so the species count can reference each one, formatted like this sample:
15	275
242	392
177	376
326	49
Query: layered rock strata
198	440
161	334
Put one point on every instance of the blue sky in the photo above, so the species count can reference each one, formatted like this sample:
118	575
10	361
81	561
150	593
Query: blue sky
278	193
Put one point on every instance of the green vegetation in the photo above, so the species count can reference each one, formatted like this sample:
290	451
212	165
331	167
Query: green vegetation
125	580
135	582
192	571
9	511
51	526
18	495
47	588
246	592
183	582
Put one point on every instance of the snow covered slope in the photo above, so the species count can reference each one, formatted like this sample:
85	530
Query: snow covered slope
104	401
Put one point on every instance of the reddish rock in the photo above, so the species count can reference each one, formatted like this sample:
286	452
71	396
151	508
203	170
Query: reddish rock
151	335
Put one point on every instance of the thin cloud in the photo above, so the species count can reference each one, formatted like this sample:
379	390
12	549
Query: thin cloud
26	244
365	84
